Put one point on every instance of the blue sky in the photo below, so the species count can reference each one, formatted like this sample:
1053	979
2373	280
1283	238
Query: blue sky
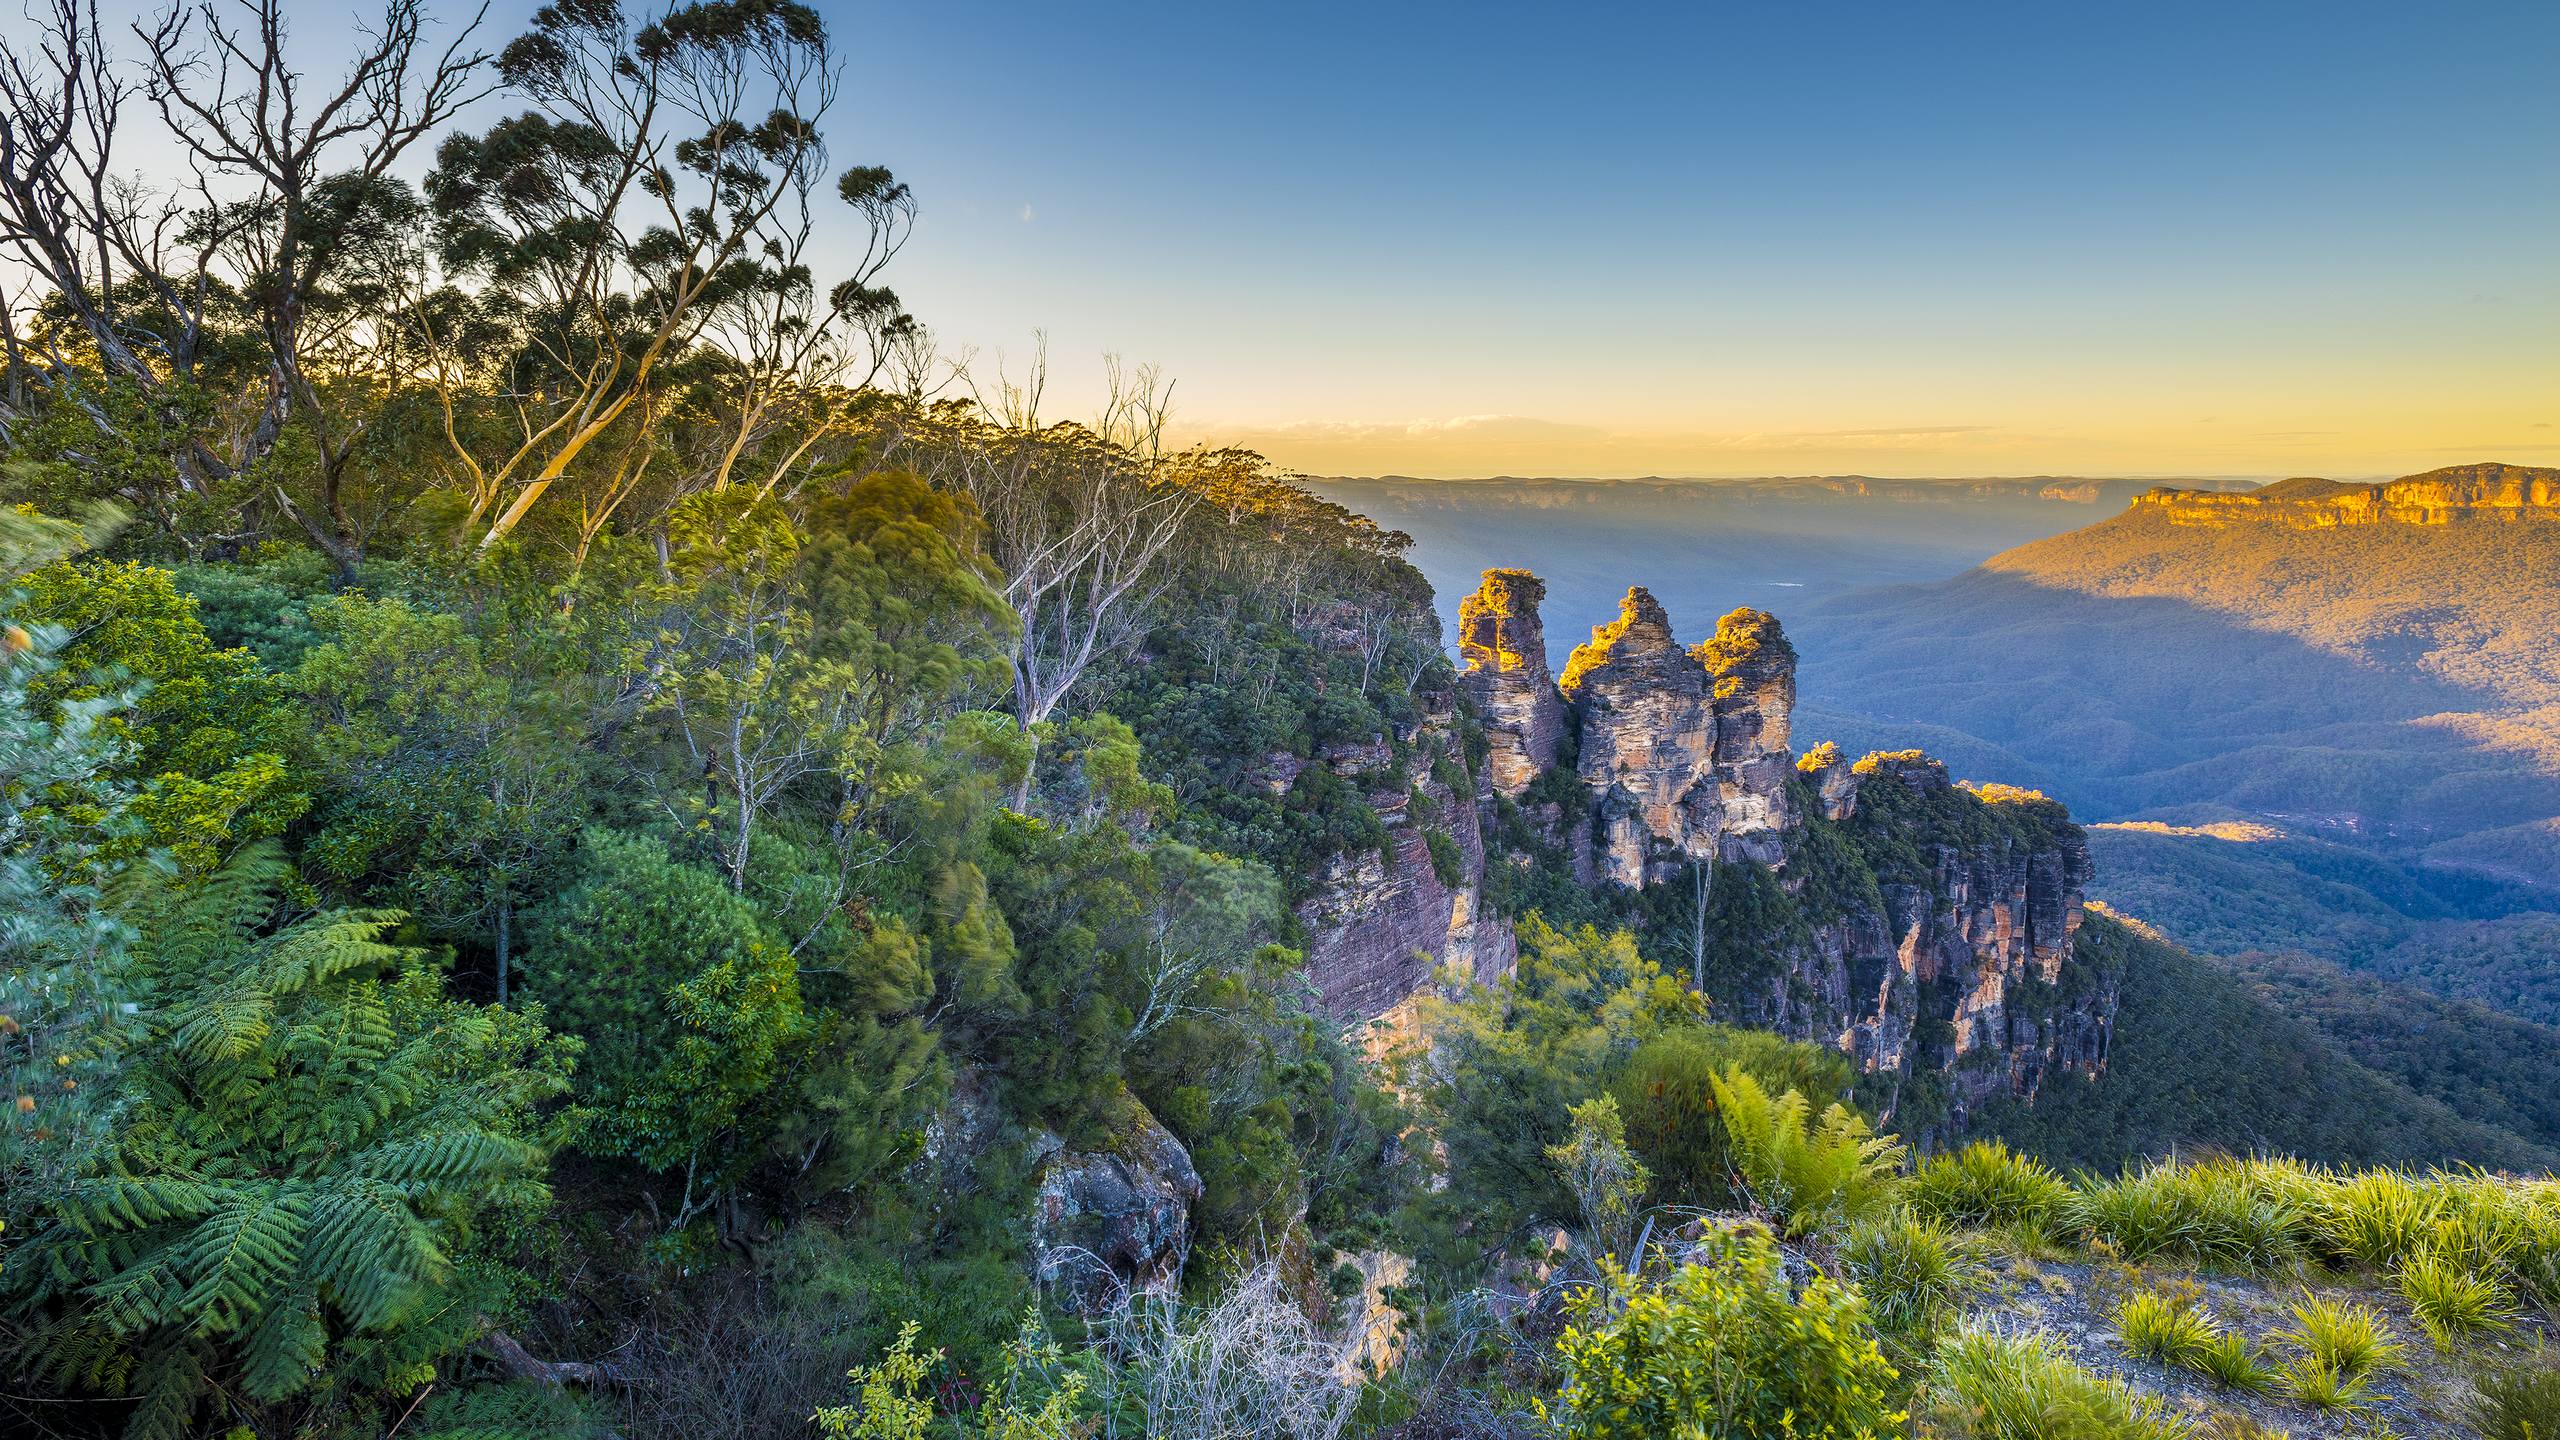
1745	239
2236	237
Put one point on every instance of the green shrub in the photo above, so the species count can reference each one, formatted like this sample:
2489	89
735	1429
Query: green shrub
2451	1300
2519	1399
1988	1184
1666	1091
2320	1385
1722	1347
2344	1336
1812	1174
2163	1326
1913	1271
2232	1362
1990	1386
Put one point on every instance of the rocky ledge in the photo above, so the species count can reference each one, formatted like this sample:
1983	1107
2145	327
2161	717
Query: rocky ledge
2489	492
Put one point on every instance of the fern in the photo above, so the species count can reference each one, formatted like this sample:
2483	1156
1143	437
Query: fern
310	1121
1814	1174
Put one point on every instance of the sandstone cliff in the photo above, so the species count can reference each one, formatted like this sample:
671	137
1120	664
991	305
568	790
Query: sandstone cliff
1927	929
2490	492
1379	922
1502	658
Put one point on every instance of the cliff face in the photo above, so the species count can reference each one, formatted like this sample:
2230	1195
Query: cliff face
1925	928
2511	493
1379	922
1502	659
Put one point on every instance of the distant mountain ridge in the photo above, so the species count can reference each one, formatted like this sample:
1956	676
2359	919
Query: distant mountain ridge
2514	493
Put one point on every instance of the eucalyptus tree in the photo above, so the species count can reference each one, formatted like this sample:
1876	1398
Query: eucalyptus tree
291	229
647	226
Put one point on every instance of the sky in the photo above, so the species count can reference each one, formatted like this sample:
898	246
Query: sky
1719	239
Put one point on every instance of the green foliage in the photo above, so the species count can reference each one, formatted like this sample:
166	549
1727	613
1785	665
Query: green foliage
203	736
2340	1336
1666	1091
1607	1180
2172	1327
1915	1273
1989	1386
2518	1398
1987	1184
312	1136
690	1008
2451	1300
1508	1062
1721	1347
1814	1173
887	1407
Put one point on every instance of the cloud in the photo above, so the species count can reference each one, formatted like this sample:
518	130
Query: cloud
1027	212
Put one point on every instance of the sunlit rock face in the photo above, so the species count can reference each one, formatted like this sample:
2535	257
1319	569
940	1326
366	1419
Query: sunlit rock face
2510	493
1502	660
1969	972
1647	732
1752	685
1381	922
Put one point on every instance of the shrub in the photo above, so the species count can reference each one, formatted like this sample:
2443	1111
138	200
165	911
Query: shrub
1667	1093
2320	1385
2344	1336
1812	1174
1913	1271
2164	1326
2231	1361
1723	1347
1987	1184
2451	1300
1990	1386
2519	1399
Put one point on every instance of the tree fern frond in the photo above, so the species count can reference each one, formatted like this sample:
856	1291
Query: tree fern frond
239	1253
285	1348
171	1384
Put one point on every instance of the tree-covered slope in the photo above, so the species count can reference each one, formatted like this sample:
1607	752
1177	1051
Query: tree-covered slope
2202	1059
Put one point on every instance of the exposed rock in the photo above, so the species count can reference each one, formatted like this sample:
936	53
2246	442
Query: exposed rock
1114	1221
1380	923
1502	654
2491	492
1834	781
1647	732
1966	977
1752	671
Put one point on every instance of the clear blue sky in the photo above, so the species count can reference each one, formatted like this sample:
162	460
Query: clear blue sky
1727	239
2108	237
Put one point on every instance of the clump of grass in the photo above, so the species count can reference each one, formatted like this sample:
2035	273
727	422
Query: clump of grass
2377	1218
2451	1299
2342	1335
1913	1271
2320	1385
1990	1386
2519	1399
2163	1326
2171	1327
2233	1362
1987	1184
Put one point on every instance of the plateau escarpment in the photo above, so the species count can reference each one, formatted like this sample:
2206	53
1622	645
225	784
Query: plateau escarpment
2491	492
1925	928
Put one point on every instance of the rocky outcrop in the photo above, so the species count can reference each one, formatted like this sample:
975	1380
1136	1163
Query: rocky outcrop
1116	1220
2491	492
1380	921
1982	894
1647	737
1502	660
1925	928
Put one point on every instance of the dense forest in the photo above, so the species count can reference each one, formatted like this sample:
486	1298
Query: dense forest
595	842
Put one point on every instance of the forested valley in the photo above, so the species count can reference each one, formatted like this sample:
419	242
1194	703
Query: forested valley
597	840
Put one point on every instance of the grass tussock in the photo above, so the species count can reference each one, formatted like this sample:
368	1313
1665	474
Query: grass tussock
2519	1399
2341	1335
1989	1386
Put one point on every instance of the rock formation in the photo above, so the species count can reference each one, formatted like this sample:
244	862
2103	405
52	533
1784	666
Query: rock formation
1379	922
2511	493
1932	940
1647	737
1502	657
1114	1221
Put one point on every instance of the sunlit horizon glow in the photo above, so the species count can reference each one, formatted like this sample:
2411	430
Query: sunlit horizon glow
1438	240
